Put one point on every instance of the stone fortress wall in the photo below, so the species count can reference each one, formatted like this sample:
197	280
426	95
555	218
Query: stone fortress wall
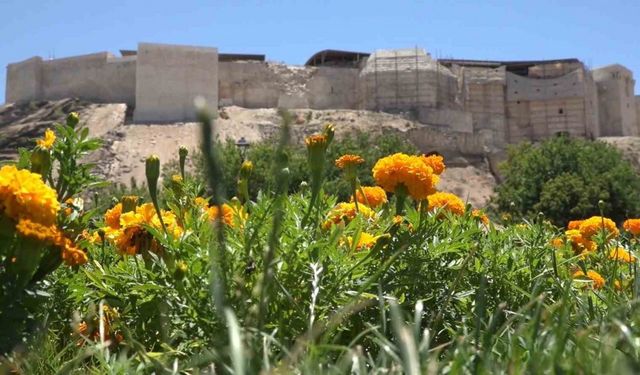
470	106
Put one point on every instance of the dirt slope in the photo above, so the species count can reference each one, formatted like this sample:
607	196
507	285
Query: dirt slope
126	144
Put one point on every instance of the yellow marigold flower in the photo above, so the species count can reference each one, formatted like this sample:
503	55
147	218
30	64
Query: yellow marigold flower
409	171
557	242
201	202
446	201
112	216
346	212
621	254
316	140
596	279
574	224
579	243
132	237
48	140
374	196
481	216
24	195
227	214
596	224
348	160
618	285
436	162
632	226
397	220
365	241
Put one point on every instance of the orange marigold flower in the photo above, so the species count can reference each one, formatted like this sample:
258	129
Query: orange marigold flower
621	254
71	255
345	212
596	224
48	140
574	224
579	243
316	140
480	215
596	279
632	226
112	216
365	241
227	214
374	196
51	235
23	194
44	233
446	201
436	162
404	170
348	160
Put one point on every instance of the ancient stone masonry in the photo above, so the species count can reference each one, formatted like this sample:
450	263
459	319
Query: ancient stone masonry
466	106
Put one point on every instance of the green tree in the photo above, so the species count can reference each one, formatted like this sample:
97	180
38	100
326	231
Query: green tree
564	178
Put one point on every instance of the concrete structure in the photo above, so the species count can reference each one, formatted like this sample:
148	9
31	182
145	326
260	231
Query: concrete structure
169	78
471	106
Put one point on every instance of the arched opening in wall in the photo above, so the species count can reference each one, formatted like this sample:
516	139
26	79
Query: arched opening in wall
434	152
560	111
562	134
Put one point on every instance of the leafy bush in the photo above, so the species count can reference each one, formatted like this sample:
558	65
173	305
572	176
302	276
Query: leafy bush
565	178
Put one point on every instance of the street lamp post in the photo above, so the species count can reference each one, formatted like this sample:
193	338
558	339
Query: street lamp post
242	145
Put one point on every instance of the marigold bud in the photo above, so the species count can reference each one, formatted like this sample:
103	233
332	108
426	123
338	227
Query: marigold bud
40	161
73	119
129	203
181	270
152	169
182	153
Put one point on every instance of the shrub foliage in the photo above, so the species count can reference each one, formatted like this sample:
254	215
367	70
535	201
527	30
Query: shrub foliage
565	178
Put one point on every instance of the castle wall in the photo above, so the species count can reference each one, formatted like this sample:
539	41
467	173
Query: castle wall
269	85
638	113
616	100
169	78
24	80
538	108
100	77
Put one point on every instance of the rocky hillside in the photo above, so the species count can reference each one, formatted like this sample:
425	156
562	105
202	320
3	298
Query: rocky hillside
126	144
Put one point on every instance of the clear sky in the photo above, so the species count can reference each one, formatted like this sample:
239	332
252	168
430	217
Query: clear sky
597	32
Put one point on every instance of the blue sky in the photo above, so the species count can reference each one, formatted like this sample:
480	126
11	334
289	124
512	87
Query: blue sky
597	32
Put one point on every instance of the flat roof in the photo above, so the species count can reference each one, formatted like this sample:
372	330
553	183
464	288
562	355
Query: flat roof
495	64
240	57
333	56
